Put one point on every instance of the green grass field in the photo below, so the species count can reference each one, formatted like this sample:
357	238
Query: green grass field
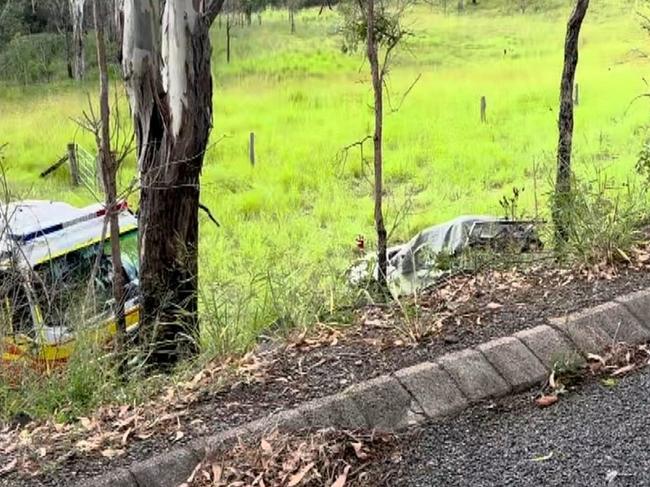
289	223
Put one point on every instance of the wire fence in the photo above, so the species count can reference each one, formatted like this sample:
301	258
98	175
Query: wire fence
89	175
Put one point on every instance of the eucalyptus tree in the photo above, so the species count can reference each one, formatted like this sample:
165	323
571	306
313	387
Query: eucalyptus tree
562	196
77	18
166	54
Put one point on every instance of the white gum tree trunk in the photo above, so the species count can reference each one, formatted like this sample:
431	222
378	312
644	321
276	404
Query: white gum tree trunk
77	18
166	63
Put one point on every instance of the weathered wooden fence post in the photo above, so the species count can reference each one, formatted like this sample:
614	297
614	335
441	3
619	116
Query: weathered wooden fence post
483	110
74	167
251	148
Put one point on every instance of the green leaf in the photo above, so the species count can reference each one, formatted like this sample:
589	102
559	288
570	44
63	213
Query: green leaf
609	382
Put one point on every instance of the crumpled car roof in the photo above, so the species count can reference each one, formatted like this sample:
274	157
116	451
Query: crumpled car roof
25	217
412	266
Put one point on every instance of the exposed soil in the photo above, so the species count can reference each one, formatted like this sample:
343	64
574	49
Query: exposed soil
465	311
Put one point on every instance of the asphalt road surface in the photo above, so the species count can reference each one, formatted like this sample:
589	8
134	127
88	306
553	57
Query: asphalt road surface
596	436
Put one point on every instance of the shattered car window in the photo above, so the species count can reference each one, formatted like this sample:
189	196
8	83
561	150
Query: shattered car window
80	283
15	313
65	290
129	251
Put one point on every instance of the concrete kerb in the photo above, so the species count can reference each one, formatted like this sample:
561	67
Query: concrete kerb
638	304
169	469
546	343
338	411
516	363
427	390
433	389
386	404
474	375
594	329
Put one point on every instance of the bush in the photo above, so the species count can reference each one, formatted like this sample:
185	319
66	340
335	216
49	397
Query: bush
33	58
12	21
604	219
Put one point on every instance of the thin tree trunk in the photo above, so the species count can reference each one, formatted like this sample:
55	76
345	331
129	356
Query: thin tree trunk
118	21
60	11
377	86
109	171
228	40
170	92
77	16
68	55
565	123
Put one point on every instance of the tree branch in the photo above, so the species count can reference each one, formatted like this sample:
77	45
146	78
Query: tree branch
209	213
212	9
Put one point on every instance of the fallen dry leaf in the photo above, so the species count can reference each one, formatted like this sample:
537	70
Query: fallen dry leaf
87	423
86	446
125	436
266	447
546	401
297	478
358	451
623	370
543	458
343	478
190	479
111	453
217	471
597	358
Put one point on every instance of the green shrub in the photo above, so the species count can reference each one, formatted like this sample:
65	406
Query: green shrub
32	58
604	219
12	22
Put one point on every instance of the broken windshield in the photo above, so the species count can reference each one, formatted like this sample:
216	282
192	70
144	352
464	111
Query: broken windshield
78	285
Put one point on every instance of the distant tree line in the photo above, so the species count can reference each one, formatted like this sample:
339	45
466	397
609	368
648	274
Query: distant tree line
41	40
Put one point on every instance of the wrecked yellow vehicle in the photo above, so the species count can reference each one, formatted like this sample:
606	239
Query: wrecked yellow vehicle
56	280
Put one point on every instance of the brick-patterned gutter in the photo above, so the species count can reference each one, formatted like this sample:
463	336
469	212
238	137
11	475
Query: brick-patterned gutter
422	392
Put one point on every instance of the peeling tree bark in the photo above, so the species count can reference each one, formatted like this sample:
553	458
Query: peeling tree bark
565	122
77	17
166	63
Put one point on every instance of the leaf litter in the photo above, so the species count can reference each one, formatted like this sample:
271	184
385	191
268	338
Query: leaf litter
36	447
326	458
